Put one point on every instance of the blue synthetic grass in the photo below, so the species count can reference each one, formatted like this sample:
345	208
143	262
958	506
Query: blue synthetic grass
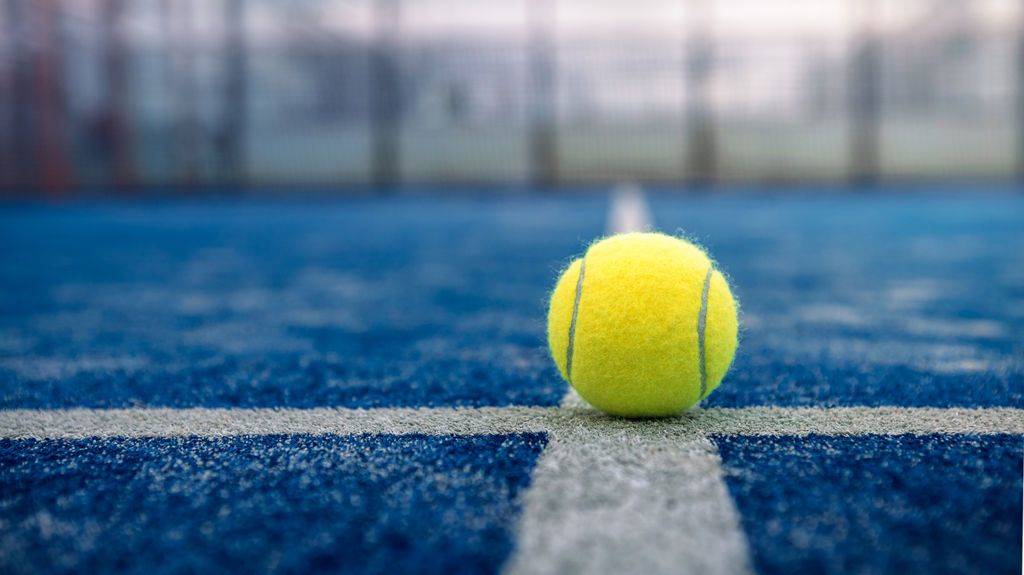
847	300
407	302
287	504
914	300
878	504
910	300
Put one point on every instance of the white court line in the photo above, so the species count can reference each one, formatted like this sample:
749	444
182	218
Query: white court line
212	422
628	211
628	500
576	423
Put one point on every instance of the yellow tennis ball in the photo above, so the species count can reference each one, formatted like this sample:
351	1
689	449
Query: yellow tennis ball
642	325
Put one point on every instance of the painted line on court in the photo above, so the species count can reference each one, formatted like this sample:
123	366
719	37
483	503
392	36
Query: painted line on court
628	211
624	501
577	422
212	422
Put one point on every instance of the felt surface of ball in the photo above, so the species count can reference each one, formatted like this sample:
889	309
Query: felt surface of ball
642	325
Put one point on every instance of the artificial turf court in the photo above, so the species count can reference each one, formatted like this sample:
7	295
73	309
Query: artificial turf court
363	385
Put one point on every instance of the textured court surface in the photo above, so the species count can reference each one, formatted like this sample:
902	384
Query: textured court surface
851	304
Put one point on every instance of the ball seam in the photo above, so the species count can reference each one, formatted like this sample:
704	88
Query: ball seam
702	324
572	322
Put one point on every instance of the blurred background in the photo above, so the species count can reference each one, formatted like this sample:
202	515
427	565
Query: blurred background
138	95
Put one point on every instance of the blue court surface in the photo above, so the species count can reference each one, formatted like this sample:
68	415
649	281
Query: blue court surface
908	304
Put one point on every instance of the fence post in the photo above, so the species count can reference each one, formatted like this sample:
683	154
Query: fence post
385	97
18	146
114	130
51	116
234	114
543	119
1020	92
865	95
701	161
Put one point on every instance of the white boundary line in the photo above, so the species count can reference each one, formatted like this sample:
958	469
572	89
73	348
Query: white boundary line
212	422
628	211
628	500
571	422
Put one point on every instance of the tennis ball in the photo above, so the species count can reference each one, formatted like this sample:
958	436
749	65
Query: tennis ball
642	325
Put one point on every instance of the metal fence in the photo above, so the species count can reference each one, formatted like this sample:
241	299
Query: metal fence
132	94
